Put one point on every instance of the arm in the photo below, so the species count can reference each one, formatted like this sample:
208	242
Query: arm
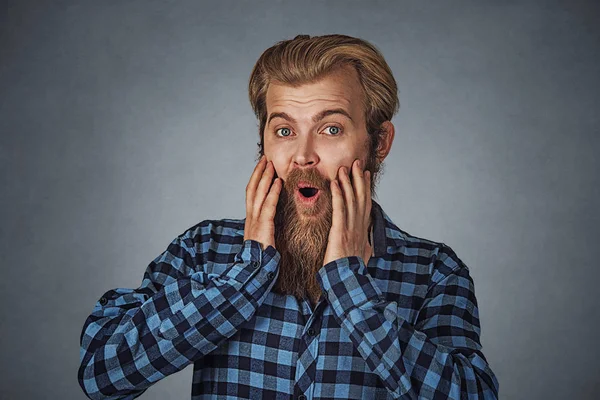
180	313
440	357
133	338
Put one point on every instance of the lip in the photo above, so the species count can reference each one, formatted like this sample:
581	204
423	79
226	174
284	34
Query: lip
303	184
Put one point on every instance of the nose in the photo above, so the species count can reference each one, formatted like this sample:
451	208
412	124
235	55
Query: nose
306	154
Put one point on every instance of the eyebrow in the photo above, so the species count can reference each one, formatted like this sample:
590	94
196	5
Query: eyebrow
316	118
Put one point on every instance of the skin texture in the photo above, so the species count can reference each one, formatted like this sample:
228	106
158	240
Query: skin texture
351	215
261	204
335	147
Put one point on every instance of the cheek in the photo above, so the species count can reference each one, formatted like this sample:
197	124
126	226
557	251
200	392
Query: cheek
339	158
280	161
331	157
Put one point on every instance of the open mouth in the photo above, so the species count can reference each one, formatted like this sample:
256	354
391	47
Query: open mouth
308	192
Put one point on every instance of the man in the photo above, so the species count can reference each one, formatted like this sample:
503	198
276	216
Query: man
317	293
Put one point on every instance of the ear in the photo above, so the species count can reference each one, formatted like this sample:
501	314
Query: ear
385	143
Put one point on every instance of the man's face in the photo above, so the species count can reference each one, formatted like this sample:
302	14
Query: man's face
317	128
311	131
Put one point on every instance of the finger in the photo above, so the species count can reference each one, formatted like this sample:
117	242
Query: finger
338	219
263	189
358	181
348	192
253	182
270	205
368	202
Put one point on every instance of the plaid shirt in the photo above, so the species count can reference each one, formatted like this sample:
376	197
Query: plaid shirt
405	326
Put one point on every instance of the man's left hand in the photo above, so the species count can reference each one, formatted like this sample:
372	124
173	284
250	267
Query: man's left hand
351	215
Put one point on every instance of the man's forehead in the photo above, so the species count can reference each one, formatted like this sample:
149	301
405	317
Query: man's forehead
337	90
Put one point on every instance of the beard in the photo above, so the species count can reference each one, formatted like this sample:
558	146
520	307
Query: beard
301	234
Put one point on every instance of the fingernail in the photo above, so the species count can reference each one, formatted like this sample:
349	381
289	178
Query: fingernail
358	164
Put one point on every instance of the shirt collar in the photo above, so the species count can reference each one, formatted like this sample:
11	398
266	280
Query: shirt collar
385	232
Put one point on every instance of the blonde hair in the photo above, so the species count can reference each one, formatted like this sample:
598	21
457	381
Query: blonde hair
306	59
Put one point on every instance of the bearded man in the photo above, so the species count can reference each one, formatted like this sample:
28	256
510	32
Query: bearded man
317	293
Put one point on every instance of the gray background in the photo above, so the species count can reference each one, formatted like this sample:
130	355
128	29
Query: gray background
125	123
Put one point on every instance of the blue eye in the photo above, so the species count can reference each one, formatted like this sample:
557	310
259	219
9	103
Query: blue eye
284	131
333	130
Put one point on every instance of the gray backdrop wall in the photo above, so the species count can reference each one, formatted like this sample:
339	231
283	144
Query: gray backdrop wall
125	123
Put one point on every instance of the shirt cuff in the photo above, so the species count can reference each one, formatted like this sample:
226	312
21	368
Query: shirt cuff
253	260
347	284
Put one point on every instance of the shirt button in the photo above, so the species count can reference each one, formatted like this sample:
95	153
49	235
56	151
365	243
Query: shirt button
254	264
103	301
311	332
302	397
270	275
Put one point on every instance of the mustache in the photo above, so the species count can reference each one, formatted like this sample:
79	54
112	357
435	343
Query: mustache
310	176
286	206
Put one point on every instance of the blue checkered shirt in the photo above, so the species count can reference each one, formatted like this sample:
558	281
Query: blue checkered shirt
405	326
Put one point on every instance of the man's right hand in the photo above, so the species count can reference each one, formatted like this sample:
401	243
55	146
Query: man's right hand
261	204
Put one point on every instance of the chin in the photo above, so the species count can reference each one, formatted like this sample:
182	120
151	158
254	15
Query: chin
310	212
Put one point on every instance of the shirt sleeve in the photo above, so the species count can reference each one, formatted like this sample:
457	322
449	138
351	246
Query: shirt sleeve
135	337
438	358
